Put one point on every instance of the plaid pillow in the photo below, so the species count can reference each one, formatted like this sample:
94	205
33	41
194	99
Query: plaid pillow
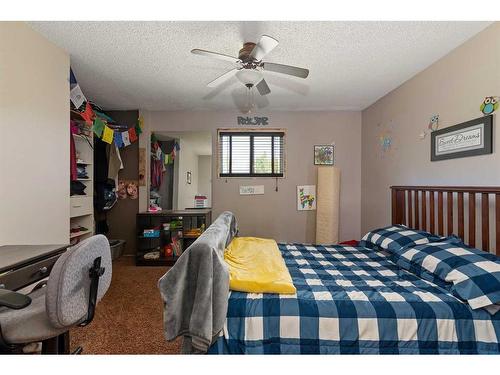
474	274
395	237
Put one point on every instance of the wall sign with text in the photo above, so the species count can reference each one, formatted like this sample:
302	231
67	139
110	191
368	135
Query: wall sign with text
470	138
252	190
260	121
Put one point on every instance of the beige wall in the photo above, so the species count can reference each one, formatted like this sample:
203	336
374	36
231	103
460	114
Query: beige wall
454	87
274	214
188	162
34	138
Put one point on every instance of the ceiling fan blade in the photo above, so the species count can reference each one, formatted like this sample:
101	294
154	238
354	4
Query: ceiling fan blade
223	78
215	55
286	69
262	87
266	44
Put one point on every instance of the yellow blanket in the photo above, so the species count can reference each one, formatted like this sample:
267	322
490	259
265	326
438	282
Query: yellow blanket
256	266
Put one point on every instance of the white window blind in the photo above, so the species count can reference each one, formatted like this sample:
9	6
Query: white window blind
251	154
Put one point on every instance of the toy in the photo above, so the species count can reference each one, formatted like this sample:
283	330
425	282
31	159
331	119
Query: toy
132	190
168	251
154	208
121	191
176	246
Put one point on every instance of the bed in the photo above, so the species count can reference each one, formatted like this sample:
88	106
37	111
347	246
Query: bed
357	300
354	300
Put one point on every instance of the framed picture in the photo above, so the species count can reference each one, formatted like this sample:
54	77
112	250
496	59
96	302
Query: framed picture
306	197
188	178
323	155
470	138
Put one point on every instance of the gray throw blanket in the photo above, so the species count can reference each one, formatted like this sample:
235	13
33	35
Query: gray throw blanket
195	290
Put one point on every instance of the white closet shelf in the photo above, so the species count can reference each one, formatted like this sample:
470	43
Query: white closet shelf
78	234
73	216
81	207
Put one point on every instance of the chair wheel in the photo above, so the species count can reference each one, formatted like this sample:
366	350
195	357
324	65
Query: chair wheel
78	350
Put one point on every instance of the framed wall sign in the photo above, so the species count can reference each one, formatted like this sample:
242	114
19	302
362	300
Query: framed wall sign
323	154
470	138
306	197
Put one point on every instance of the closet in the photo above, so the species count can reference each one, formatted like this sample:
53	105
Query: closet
81	210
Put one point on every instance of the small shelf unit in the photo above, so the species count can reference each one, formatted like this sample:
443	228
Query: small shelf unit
166	235
82	206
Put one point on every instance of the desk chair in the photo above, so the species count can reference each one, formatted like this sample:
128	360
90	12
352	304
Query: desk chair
78	280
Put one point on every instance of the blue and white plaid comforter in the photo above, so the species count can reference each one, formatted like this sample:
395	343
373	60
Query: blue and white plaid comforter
354	300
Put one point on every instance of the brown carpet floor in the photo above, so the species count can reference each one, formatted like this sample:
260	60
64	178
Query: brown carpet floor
129	318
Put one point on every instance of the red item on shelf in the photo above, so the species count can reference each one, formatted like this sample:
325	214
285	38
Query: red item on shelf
168	250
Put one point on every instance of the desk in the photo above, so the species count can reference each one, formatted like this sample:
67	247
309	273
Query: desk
22	265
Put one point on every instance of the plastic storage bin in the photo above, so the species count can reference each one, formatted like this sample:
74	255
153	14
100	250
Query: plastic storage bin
116	248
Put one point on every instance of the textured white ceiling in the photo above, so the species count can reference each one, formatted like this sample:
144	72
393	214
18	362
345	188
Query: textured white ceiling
148	65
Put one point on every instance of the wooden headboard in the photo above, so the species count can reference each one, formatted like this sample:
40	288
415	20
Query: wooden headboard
415	206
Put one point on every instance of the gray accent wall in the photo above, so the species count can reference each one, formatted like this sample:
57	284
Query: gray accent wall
453	87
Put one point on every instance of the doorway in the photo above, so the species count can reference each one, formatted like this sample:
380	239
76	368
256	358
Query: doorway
183	179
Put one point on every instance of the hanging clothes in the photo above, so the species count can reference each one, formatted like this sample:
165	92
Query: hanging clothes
157	165
115	163
72	152
156	173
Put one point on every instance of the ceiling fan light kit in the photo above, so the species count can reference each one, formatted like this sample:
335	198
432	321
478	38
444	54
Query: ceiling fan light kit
249	65
249	76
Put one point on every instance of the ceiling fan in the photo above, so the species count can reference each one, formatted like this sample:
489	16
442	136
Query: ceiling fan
249	65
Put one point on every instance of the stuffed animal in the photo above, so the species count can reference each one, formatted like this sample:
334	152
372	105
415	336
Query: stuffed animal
132	190
121	191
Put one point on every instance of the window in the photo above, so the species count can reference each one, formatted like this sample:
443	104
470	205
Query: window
251	154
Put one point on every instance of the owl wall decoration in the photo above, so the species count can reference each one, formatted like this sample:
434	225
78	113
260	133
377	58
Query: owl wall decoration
433	123
489	105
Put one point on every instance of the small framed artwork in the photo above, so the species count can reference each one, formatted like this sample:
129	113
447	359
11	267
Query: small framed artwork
306	197
188	178
470	138
323	154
